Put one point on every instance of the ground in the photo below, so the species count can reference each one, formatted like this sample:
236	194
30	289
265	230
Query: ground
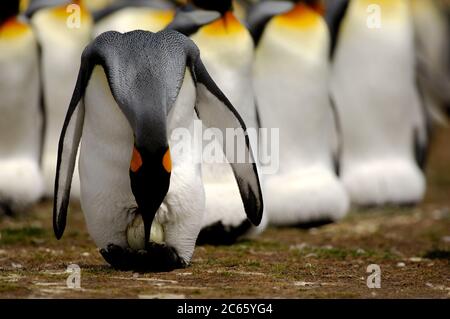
411	246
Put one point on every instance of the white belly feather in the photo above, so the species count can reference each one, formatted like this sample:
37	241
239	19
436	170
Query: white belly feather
374	87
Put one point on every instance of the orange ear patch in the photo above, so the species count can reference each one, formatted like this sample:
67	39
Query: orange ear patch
167	161
13	28
226	25
136	161
301	16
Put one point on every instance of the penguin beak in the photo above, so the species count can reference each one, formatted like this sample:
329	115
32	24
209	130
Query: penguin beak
150	179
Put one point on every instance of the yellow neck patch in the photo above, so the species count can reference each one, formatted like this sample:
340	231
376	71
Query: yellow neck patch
13	28
300	17
162	17
227	25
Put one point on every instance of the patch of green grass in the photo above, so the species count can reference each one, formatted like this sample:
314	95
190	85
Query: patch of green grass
343	253
23	235
279	271
253	263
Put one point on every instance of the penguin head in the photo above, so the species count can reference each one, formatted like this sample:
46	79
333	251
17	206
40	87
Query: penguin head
221	6
8	9
150	170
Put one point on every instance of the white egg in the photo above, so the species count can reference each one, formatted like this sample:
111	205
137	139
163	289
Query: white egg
135	233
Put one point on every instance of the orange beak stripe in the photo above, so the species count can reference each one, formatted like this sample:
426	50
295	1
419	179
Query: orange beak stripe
136	161
167	161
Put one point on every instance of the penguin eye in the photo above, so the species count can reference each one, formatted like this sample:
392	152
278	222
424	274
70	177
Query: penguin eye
136	161
167	161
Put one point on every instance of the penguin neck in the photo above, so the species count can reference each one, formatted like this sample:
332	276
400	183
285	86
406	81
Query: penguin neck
9	11
12	27
228	24
302	16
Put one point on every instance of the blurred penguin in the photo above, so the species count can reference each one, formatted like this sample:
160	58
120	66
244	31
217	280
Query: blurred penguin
63	29
129	15
384	136
432	36
241	8
21	118
291	83
95	5
227	51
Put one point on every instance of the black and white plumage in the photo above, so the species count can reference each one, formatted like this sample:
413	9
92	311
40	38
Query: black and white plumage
227	51
61	46
21	117
133	91
374	86
291	76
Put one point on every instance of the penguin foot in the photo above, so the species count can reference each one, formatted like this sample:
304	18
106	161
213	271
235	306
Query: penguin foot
154	258
389	182
219	234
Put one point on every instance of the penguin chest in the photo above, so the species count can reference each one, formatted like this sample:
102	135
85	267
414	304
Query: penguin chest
227	52
385	94
290	79
106	148
129	19
20	118
62	46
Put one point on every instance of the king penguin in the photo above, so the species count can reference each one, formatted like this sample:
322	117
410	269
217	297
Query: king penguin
63	29
227	50
142	194
291	75
432	40
130	15
21	119
374	86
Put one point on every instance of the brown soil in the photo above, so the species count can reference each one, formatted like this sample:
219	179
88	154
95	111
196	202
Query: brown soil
411	245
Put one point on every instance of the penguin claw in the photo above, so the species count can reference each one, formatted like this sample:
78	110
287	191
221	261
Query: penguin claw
154	258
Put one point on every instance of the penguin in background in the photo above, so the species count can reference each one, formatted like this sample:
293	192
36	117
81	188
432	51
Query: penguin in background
130	15
61	41
227	50
432	39
21	120
142	194
374	87
242	7
290	76
96	5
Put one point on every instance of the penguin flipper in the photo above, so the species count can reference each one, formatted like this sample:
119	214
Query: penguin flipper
261	13
188	22
334	14
68	147
215	110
